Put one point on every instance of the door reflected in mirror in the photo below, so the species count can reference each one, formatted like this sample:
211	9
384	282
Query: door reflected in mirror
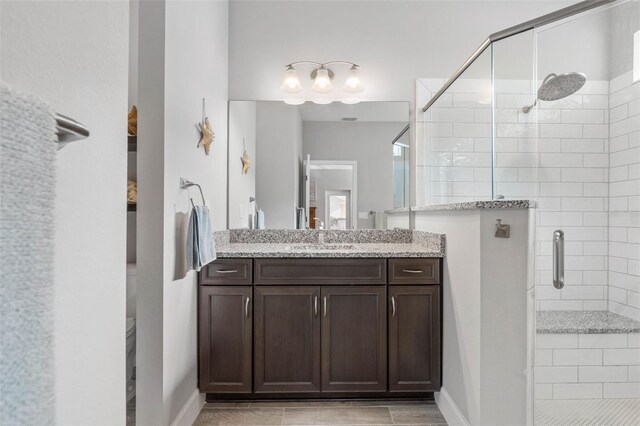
338	209
314	166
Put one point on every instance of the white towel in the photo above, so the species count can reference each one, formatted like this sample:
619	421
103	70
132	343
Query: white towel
27	185
200	245
260	219
379	220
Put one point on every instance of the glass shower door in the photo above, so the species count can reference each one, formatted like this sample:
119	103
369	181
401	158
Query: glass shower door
567	135
455	164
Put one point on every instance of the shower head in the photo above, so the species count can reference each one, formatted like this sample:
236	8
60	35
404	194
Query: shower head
556	87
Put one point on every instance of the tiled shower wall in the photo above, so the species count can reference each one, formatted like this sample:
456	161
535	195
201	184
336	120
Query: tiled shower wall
563	163
624	204
573	176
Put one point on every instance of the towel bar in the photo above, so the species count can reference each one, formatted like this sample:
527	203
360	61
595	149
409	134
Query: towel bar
184	184
69	130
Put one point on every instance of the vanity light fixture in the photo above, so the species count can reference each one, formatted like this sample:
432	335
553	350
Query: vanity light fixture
322	77
353	83
321	81
291	82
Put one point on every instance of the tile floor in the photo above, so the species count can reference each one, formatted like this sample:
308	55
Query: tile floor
321	413
591	412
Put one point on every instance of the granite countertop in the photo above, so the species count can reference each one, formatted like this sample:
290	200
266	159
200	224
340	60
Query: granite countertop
473	205
585	322
344	244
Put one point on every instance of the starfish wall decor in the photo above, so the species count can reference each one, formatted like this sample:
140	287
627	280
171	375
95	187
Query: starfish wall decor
246	162
207	135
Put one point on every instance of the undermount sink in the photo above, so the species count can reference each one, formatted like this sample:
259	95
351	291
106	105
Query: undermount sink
318	246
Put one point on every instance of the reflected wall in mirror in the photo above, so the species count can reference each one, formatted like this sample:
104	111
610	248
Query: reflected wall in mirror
333	166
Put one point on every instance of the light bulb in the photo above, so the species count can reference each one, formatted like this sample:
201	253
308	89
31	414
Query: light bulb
322	82
291	83
353	83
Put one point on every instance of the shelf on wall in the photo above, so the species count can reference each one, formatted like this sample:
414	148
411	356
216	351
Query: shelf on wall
132	143
132	207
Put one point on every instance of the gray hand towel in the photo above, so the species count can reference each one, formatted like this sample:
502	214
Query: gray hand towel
200	244
27	184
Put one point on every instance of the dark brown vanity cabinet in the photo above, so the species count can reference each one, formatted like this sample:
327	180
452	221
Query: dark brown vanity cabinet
320	327
287	339
225	339
414	338
354	339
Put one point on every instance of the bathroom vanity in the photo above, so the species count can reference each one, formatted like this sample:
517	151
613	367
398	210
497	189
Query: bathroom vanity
336	319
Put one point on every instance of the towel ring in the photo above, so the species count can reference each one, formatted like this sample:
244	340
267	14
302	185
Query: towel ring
185	184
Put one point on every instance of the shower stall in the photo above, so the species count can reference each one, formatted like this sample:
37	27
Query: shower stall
549	111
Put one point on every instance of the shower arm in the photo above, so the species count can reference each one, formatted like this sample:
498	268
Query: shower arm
527	108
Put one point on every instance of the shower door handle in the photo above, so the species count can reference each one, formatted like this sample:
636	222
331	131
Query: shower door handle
558	259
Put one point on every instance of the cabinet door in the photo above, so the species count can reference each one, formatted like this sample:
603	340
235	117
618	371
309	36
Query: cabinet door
225	339
414	338
287	339
354	339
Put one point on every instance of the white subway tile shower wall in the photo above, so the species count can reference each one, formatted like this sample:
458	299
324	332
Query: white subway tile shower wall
624	201
563	162
591	366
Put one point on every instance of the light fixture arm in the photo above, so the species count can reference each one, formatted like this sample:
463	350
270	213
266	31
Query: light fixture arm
320	64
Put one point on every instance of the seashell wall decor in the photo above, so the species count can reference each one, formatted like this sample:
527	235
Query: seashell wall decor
132	122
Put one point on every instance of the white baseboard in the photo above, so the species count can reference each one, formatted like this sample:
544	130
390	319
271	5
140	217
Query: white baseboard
449	409
190	410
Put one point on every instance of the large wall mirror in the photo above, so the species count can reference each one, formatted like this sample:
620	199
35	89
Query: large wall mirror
312	166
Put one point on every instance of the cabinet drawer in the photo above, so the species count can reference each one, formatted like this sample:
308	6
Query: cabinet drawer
227	272
320	271
414	271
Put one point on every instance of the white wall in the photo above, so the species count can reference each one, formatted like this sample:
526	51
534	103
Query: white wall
242	126
150	215
74	55
277	163
368	143
183	57
485	315
461	307
623	22
396	42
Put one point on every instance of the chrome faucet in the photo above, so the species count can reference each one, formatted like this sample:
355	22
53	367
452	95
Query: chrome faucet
321	226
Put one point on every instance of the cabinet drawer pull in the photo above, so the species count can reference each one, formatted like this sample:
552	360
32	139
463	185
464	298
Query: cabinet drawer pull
315	307
226	271
413	271
246	308
393	306
324	302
